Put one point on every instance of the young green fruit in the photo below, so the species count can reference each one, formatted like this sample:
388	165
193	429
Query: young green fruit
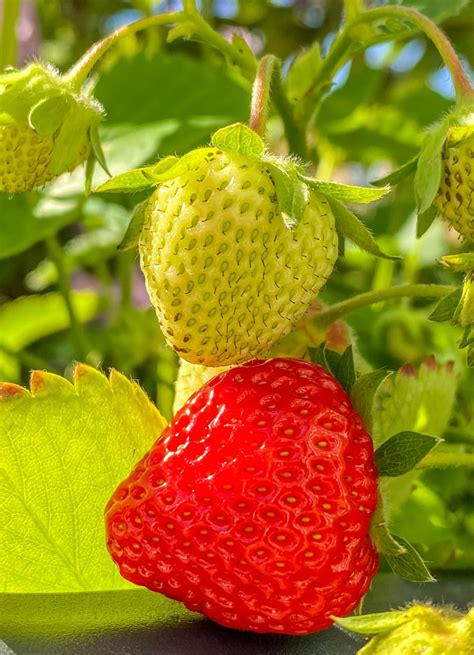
45	127
455	200
418	630
227	277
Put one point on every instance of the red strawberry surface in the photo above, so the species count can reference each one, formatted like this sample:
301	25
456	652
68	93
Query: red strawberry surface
254	505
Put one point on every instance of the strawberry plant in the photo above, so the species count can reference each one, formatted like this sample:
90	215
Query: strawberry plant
258	219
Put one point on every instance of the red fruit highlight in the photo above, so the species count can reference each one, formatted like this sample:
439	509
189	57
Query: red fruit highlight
254	506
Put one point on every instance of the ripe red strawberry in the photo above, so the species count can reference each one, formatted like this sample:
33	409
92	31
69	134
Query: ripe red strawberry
254	505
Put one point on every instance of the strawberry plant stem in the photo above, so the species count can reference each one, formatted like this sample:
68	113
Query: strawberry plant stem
8	41
81	69
261	94
57	257
352	9
447	460
461	82
331	314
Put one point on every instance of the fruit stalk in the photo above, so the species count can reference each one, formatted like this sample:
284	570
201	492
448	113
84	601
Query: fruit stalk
352	9
8	43
447	460
340	309
81	69
57	257
439	39
261	94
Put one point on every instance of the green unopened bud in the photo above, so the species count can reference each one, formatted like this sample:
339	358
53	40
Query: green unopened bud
418	630
46	127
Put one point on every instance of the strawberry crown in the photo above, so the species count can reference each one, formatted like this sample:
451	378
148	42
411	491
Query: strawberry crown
293	188
39	96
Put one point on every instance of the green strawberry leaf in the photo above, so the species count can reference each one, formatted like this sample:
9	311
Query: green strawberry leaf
459	263
302	72
380	534
139	179
446	308
184	30
464	314
409	565
48	114
363	394
468	336
352	228
428	171
72	135
470	356
346	373
369	625
132	235
340	366
399	174
292	193
425	220
238	138
89	174
64	448
318	356
415	400
27	319
97	148
244	50
402	452
345	192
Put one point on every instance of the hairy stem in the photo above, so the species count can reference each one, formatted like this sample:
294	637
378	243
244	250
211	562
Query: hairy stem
261	94
448	54
331	314
447	460
81	69
8	42
64	284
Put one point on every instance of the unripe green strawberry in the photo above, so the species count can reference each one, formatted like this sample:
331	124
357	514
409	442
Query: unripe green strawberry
455	199
25	158
418	630
45	127
227	277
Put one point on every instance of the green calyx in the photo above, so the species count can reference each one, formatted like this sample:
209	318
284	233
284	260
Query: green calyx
417	629
293	188
40	98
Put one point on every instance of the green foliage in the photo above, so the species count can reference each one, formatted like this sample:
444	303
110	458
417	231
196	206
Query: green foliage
238	138
67	446
64	449
408	564
402	452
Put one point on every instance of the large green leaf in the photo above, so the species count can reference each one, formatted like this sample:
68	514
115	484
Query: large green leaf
29	318
23	221
63	449
415	400
173	86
